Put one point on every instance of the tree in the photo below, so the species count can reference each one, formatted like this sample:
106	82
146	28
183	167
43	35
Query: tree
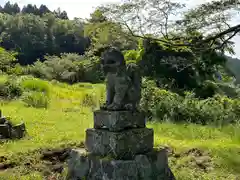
11	8
103	32
7	59
34	36
141	17
97	17
43	9
186	49
30	9
24	34
60	14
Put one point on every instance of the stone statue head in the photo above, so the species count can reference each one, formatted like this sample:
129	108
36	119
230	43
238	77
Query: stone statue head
112	60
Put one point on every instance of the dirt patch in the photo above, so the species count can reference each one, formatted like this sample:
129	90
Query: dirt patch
192	158
56	155
47	161
4	166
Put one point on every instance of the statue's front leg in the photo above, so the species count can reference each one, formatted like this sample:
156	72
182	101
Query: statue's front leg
109	91
121	87
110	94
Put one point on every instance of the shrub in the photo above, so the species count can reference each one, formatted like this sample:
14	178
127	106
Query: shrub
69	68
36	85
36	99
16	70
10	88
210	88
7	59
163	105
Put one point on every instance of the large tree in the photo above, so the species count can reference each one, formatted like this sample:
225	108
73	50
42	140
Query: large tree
11	8
182	45
172	23
103	32
34	36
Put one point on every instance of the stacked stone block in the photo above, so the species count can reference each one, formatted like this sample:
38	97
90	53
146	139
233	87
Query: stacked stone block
119	147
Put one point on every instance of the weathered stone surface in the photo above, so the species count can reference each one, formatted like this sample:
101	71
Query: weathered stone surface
118	120
8	131
122	144
123	82
2	120
5	131
18	131
78	165
143	167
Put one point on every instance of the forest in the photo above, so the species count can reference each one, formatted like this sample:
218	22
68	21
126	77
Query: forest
50	68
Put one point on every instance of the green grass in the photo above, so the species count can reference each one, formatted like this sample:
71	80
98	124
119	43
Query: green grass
68	116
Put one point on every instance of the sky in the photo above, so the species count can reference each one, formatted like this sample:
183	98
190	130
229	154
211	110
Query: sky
83	8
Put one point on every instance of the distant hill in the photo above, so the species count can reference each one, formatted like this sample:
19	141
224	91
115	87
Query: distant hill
233	64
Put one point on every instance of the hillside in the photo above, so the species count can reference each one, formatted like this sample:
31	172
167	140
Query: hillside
234	66
196	151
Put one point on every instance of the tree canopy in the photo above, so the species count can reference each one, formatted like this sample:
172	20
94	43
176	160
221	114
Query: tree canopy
184	45
172	23
175	45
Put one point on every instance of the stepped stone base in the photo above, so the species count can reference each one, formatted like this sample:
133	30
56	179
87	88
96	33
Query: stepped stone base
151	166
118	120
124	144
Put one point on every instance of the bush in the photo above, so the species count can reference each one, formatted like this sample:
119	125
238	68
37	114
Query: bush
69	68
7	59
36	99
10	88
210	88
36	85
17	69
163	105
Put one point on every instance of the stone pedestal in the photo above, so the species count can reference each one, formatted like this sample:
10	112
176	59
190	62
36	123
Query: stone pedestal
149	166
118	120
119	147
122	144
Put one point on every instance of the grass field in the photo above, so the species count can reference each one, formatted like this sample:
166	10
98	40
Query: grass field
197	152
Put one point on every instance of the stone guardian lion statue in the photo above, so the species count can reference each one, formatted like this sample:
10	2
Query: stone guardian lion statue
123	82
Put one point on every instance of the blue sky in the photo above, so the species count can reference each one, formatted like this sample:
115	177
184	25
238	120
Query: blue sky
82	9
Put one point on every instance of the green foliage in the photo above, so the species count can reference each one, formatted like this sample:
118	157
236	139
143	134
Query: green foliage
13	9
6	60
36	85
36	99
169	106
10	88
17	69
133	55
211	88
103	32
70	68
36	93
34	36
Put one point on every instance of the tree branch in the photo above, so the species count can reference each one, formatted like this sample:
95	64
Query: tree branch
226	41
234	29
